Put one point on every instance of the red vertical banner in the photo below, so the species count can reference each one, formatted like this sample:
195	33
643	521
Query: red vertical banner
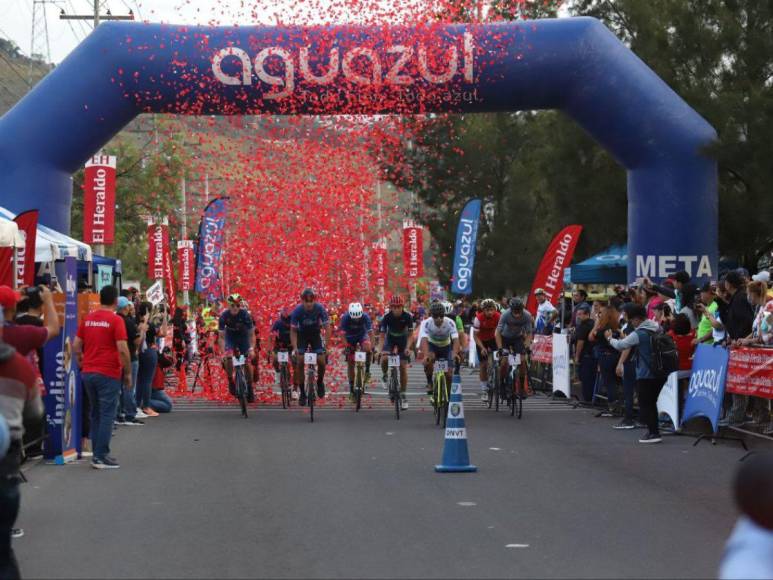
99	200
25	256
550	274
169	285
160	259
379	266
413	250
185	264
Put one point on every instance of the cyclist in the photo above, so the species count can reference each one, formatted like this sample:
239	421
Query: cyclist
306	324
440	339
395	330
485	325
280	340
357	328
514	333
237	332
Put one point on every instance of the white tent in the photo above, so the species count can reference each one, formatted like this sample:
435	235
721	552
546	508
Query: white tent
51	245
9	235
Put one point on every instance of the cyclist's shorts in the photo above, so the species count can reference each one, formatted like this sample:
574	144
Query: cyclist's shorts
314	342
362	340
489	344
441	352
514	345
279	346
401	342
243	345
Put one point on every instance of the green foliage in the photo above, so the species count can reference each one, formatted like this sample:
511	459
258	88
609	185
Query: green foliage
147	185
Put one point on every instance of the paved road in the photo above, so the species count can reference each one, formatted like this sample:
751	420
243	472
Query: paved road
208	494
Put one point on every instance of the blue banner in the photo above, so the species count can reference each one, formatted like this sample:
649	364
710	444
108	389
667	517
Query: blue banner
707	384
209	255
61	374
464	255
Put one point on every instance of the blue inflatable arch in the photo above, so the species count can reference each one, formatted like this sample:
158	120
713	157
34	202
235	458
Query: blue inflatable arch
575	65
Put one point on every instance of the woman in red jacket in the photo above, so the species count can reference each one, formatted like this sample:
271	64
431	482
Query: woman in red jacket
683	335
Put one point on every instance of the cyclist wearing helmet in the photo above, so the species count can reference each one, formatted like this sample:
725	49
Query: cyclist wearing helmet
395	329
306	323
357	328
439	339
280	340
514	332
485	325
237	333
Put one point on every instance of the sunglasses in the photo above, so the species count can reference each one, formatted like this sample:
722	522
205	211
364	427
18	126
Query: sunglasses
307	300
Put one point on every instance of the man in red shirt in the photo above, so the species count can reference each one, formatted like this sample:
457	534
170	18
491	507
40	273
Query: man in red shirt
485	325
103	356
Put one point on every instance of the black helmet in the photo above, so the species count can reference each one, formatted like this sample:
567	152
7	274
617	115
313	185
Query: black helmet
436	309
308	293
516	304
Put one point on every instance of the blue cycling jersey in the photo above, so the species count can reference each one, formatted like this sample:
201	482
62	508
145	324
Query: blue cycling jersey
355	329
309	322
281	331
237	329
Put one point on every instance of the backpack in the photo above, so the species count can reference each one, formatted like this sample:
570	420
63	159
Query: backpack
664	356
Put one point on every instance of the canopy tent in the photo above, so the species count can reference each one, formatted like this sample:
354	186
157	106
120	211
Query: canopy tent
101	261
10	236
52	245
608	267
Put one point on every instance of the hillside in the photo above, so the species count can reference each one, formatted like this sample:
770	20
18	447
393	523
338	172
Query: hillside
18	74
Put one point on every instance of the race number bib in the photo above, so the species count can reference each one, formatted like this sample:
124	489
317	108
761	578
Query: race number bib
360	356
441	366
514	360
283	357
496	355
239	361
394	361
310	358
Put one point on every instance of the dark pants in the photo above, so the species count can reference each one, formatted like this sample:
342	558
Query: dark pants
148	361
9	510
103	394
586	371
160	402
629	387
649	391
607	374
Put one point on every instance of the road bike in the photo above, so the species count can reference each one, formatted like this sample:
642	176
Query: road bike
440	393
494	380
309	377
360	358
511	387
240	381
393	384
283	359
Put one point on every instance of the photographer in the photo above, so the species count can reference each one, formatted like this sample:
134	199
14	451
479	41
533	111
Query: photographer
26	338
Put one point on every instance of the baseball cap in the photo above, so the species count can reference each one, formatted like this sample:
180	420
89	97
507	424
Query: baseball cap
123	302
539	291
583	308
8	297
762	276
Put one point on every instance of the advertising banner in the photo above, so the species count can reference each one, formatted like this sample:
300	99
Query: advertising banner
99	200
413	250
550	274
436	291
185	264
750	372
25	257
668	400
61	375
379	266
169	283
542	348
464	254
155	293
160	259
210	250
104	276
707	384
560	361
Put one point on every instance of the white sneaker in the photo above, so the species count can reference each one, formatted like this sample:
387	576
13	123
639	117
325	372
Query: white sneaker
484	396
140	415
404	404
295	395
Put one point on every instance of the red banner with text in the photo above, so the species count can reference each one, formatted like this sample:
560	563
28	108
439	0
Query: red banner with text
379	267
550	274
99	200
186	264
750	372
542	348
413	250
160	259
25	257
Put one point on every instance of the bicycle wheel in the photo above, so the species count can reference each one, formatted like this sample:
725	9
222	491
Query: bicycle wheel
513	396
357	388
394	391
445	403
311	393
241	390
284	385
497	388
517	398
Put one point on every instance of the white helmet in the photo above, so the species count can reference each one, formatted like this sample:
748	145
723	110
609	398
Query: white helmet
449	308
355	310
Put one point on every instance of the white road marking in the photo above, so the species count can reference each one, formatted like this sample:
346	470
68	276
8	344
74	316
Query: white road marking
495	449
466	503
517	546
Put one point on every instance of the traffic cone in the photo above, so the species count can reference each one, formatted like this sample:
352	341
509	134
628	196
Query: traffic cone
456	457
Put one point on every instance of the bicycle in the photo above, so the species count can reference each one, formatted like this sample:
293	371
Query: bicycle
310	373
240	381
493	380
393	384
512	386
283	359
440	393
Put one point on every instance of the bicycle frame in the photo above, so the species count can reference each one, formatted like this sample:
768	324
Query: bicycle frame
310	371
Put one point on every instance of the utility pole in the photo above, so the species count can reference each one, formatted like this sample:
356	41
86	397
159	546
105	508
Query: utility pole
97	17
39	45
